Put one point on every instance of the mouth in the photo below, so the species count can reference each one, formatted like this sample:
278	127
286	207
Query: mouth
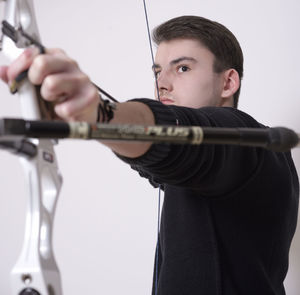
166	100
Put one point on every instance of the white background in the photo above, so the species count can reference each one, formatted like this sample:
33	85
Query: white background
105	225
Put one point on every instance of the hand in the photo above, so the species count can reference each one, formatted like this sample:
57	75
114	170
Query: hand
62	82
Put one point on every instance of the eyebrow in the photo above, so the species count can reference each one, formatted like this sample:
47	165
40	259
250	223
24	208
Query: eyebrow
176	61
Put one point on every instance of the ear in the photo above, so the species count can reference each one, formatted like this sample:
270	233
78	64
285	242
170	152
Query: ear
231	83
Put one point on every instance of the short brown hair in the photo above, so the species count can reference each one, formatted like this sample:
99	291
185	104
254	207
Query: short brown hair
216	37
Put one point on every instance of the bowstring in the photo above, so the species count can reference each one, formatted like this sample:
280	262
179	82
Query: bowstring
159	187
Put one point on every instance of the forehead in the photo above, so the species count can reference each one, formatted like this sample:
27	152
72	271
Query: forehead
176	48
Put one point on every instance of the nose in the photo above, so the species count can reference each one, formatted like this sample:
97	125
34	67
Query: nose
164	83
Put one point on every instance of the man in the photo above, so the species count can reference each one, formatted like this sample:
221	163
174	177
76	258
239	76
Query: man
225	228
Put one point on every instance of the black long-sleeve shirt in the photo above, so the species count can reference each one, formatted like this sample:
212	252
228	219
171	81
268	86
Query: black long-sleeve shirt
229	212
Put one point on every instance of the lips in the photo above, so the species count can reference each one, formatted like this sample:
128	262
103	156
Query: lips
166	100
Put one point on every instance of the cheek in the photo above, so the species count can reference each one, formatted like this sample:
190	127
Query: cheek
196	93
208	90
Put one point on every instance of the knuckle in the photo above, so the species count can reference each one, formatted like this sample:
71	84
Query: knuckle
38	70
50	84
80	79
64	111
73	63
83	78
40	63
44	93
67	112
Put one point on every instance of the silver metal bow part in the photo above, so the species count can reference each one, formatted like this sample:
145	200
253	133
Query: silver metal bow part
36	271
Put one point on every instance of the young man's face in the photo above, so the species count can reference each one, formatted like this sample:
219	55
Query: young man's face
185	74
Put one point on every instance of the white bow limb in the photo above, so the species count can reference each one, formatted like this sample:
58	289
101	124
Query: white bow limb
36	271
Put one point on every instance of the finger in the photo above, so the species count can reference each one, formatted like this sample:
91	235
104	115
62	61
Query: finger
47	64
57	85
63	84
83	105
22	63
3	73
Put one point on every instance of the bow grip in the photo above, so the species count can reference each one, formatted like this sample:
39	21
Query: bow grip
21	13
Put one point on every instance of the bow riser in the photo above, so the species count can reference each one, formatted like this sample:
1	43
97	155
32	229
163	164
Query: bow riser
36	267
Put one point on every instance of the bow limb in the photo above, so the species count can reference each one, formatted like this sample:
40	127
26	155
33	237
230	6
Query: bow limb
36	271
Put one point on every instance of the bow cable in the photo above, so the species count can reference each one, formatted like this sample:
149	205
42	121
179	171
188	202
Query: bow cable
159	187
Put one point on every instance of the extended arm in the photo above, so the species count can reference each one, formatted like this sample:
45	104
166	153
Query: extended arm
75	97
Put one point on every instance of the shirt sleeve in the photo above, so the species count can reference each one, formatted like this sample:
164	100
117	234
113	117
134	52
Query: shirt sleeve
211	169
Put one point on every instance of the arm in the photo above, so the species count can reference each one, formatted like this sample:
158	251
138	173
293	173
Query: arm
211	169
75	97
131	113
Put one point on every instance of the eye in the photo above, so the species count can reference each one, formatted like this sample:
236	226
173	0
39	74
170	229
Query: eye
182	69
156	74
